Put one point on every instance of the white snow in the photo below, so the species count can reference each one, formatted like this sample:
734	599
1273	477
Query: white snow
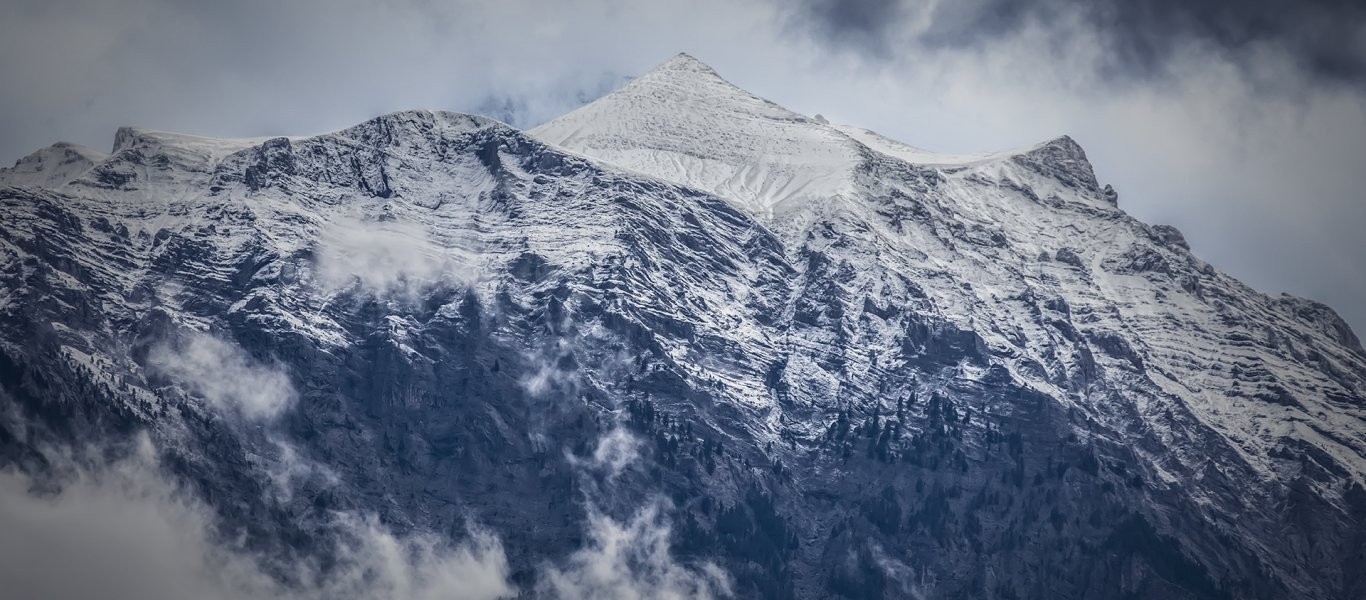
988	237
1021	247
681	122
51	167
982	241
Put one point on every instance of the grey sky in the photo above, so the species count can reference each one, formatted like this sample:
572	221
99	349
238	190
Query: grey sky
1244	123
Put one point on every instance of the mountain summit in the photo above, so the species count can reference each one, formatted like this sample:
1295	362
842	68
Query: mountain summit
683	122
681	341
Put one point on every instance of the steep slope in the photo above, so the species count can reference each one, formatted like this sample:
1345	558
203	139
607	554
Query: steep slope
51	167
682	122
830	363
1236	400
413	276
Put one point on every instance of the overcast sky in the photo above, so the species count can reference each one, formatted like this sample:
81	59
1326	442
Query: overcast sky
1243	123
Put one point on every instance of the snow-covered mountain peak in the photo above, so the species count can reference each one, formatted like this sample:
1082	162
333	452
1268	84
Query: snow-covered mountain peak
990	237
686	63
685	76
53	166
1063	159
682	122
142	156
422	123
1061	153
127	138
415	124
858	368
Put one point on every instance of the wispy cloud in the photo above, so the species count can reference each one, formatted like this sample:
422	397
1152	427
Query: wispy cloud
393	258
224	375
617	449
629	560
128	531
545	374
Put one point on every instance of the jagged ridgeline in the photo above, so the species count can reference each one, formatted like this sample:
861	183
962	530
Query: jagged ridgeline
784	358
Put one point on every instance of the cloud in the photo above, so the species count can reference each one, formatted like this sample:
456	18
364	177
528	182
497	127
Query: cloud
526	109
545	373
380	564
629	560
389	257
615	451
126	531
224	375
1242	123
286	466
625	559
234	384
1324	38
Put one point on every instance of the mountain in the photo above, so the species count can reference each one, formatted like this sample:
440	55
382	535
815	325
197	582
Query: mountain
52	167
818	361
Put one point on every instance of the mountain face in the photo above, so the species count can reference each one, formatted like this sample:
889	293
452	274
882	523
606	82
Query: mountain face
830	364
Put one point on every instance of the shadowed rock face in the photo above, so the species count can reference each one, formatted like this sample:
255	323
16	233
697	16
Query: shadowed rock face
913	386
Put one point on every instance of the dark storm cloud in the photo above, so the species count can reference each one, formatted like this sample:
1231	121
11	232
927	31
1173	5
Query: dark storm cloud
862	23
1326	39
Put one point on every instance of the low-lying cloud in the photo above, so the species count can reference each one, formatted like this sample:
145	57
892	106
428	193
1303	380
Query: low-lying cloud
626	559
127	531
224	375
617	449
383	257
545	374
629	560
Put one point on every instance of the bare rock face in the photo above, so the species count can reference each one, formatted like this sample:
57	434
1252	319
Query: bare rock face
835	363
1171	235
